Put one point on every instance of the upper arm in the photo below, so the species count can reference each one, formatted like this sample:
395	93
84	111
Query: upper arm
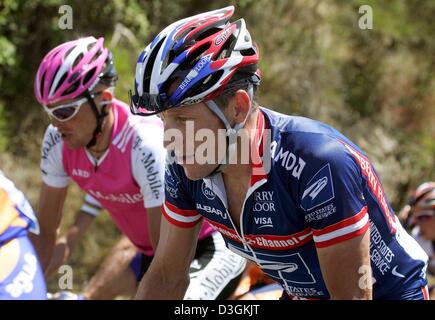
180	226
332	197
51	201
154	216
53	172
55	182
346	268
333	204
176	249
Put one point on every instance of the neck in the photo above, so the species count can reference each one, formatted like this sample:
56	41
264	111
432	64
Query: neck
241	170
103	141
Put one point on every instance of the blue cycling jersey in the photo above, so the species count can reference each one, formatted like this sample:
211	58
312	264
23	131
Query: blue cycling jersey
314	189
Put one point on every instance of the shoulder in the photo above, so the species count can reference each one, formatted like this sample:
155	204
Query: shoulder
143	130
174	173
18	199
314	142
51	142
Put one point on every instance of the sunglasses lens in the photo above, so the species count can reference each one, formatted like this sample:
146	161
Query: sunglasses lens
64	113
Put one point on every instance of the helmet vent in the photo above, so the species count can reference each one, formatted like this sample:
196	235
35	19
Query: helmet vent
89	75
148	69
194	57
66	53
71	88
41	87
77	60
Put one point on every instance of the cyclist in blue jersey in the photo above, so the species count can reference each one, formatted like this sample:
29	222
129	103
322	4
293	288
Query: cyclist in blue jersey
307	205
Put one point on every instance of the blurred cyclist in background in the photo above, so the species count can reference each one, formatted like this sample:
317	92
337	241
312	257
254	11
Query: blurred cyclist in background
419	216
21	276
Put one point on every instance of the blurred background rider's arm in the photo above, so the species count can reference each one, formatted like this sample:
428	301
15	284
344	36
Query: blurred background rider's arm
66	244
51	201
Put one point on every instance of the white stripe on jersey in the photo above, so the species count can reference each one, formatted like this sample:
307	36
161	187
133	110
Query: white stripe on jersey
343	231
179	217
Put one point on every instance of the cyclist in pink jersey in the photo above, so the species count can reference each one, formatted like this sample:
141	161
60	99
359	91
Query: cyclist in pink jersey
96	142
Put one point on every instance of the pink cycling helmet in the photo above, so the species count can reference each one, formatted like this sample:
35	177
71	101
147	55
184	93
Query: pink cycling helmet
72	69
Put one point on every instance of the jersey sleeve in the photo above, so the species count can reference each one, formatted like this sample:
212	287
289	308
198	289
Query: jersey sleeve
148	163
53	172
14	197
331	195
91	206
179	207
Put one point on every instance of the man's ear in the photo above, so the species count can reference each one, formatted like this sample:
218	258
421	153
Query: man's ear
106	98
242	105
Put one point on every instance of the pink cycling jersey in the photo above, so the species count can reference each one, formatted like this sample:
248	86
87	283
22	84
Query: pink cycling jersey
126	180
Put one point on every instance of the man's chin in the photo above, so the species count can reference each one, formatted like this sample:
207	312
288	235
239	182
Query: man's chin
73	145
197	172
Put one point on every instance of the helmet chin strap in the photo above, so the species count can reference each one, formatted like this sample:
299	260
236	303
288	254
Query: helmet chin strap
100	117
231	132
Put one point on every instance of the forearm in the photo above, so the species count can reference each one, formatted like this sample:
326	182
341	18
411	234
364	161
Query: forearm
346	269
73	238
357	295
44	245
154	287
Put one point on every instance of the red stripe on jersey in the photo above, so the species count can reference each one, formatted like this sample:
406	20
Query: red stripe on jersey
324	244
179	223
272	242
181	212
425	293
342	224
374	185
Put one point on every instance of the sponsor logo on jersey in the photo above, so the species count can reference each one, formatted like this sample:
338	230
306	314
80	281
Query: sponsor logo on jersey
171	183
321	213
288	269
264	222
380	254
81	173
288	160
23	282
374	185
122	198
53	138
152	176
263	201
207	192
223	270
209	209
319	190
273	242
